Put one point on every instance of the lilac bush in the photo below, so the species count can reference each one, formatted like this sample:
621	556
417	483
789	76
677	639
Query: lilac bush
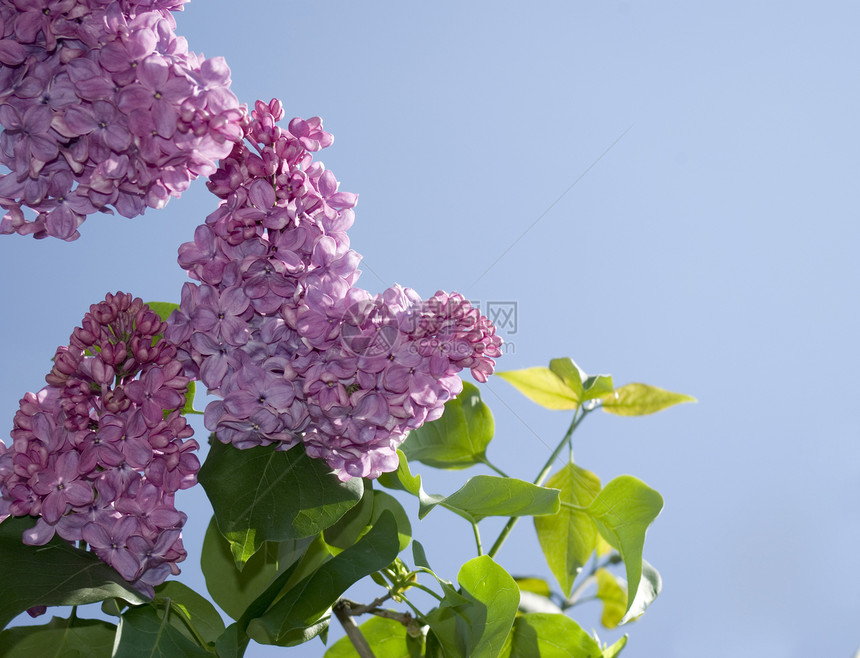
103	106
99	453
278	330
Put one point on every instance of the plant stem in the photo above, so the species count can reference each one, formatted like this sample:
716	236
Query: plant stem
342	612
577	419
491	465
478	539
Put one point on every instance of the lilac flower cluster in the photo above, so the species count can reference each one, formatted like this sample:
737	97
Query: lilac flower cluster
278	330
102	105
99	453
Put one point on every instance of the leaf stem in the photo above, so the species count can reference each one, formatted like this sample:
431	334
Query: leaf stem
509	526
478	539
492	466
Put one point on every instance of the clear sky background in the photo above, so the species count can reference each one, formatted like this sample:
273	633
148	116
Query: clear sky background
712	251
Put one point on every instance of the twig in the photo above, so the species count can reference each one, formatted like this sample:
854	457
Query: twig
344	615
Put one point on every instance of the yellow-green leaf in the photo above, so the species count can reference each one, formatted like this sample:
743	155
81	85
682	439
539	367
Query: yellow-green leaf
641	399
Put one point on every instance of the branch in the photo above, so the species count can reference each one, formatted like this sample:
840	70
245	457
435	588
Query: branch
344	615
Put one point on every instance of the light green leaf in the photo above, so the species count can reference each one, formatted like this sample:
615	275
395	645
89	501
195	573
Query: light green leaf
402	479
387	639
569	537
189	409
544	386
549	636
615	649
622	512
53	574
597	386
234	590
302	611
641	399
479	627
489	495
459	438
197	610
262	494
72	638
145	632
163	309
534	585
570	373
613	594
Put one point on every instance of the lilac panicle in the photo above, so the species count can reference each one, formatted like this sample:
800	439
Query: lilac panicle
278	330
103	108
99	453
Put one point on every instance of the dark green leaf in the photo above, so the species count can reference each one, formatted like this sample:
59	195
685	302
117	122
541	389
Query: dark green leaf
478	627
383	502
459	438
261	494
303	610
387	639
549	636
353	524
234	590
146	632
544	386
197	610
54	574
622	512
70	638
568	538
163	309
641	399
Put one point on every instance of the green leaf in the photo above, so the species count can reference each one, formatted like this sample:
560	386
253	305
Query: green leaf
649	588
303	611
360	519
53	574
489	495
72	638
613	594
545	387
597	386
641	400
387	639
262	494
478	627
197	610
353	524
146	632
549	636
189	409
163	309
569	537
234	590
402	479
534	585
383	502
570	373
615	649
622	512
459	438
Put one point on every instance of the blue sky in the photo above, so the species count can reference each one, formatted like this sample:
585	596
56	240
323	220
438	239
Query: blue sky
711	250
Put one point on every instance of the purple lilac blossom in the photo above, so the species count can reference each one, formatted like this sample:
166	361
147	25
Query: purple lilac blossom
99	453
103	107
278	330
